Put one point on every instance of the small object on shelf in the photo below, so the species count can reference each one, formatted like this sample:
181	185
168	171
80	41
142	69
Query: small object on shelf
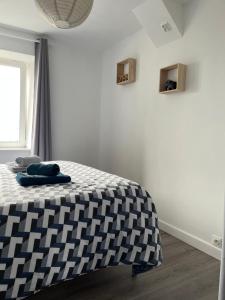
126	71
170	85
167	85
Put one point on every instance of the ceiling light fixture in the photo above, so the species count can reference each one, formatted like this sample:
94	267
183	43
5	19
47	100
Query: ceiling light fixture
65	14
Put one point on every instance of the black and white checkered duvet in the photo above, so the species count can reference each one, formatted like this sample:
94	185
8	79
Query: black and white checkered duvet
54	233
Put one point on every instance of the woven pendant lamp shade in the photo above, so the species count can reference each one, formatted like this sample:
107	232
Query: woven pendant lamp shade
65	13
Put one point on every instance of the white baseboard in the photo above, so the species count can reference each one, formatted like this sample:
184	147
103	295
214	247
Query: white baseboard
190	239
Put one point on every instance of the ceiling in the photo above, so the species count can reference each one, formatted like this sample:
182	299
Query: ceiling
109	21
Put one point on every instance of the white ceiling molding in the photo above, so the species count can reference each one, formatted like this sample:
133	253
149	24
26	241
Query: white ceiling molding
163	20
13	32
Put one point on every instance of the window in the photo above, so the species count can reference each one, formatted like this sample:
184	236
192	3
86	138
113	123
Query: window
16	85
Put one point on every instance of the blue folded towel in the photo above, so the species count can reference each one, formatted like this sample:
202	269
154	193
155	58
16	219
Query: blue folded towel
43	169
29	180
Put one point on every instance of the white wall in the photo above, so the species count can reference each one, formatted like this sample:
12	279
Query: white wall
10	155
172	144
75	100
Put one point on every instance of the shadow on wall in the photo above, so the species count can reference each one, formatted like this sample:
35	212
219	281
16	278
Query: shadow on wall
193	77
191	14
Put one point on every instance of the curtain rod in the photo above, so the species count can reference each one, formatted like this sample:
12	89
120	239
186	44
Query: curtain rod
18	35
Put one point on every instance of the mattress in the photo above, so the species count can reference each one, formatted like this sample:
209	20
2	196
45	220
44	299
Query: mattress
53	233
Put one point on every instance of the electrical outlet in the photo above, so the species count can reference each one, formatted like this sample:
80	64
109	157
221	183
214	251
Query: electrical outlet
217	241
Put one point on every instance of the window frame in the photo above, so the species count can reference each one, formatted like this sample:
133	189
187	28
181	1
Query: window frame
23	102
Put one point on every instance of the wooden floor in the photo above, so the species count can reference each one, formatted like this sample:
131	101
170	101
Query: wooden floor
186	274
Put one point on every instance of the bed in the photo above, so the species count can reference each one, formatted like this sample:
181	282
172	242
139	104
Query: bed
54	233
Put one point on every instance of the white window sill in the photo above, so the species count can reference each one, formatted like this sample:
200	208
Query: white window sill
15	149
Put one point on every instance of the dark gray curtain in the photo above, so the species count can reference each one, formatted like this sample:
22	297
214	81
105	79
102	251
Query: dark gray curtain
41	132
222	267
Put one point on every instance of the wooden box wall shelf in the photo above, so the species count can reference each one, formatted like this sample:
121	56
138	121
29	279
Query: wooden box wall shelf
180	78
126	71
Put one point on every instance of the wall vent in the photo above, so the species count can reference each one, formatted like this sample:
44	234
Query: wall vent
166	27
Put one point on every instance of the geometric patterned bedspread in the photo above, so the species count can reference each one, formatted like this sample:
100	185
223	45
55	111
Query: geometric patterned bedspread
54	233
